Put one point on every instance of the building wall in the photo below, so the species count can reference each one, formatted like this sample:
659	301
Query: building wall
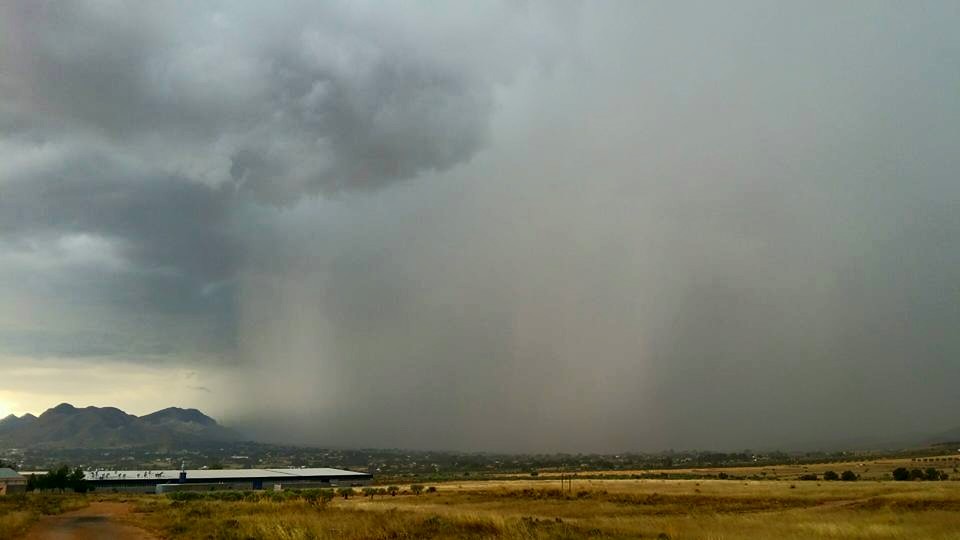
11	486
171	488
220	486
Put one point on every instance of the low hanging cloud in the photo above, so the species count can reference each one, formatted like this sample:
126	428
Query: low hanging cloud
512	226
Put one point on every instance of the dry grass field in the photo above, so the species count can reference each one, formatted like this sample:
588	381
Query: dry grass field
532	509
873	469
19	512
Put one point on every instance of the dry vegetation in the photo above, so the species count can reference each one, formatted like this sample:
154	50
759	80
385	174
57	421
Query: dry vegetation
18	512
531	509
872	469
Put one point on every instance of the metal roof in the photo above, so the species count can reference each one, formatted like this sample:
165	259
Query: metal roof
9	473
221	474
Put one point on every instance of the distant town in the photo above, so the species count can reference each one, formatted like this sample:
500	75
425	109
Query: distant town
387	464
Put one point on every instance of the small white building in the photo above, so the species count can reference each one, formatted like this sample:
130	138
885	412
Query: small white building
12	482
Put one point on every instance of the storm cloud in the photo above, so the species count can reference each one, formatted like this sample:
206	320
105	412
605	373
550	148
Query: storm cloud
519	226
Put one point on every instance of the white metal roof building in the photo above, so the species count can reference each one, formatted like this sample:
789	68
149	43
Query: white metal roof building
147	480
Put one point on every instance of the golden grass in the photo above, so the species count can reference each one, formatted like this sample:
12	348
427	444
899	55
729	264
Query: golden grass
534	509
868	469
18	512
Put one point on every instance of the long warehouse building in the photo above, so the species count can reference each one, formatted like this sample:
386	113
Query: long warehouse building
222	479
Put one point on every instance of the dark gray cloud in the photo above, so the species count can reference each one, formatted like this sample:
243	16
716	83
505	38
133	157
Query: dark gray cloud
515	226
155	132
163	224
279	103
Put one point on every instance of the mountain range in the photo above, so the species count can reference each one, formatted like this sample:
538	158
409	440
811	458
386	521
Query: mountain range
66	426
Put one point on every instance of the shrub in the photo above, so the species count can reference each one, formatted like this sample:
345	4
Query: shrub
831	475
346	492
916	474
185	496
317	497
393	490
808	476
432	489
416	489
848	476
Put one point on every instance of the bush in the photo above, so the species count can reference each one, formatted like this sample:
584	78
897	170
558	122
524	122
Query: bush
831	475
848	476
317	497
432	489
416	489
393	490
916	474
809	476
346	492
901	474
184	496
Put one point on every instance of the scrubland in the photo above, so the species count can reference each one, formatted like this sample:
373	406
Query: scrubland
18	512
532	509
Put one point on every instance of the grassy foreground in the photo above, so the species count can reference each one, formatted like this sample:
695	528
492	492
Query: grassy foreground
533	509
18	512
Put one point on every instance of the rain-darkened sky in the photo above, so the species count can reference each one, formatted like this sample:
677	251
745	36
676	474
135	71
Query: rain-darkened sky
523	226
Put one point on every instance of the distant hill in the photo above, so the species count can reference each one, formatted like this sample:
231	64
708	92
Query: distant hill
12	422
66	426
950	436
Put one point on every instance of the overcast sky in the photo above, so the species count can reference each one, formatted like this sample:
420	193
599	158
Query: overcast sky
525	226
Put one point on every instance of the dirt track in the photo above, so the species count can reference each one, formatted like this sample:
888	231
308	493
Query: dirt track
100	520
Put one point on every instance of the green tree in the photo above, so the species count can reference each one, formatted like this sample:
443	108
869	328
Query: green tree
848	476
76	481
831	475
901	474
916	474
393	490
346	492
416	489
317	497
931	474
58	478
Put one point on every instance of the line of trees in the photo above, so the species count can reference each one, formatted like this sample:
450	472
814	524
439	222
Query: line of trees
61	478
903	474
831	476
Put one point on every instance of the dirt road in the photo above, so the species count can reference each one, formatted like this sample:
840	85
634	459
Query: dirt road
100	520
